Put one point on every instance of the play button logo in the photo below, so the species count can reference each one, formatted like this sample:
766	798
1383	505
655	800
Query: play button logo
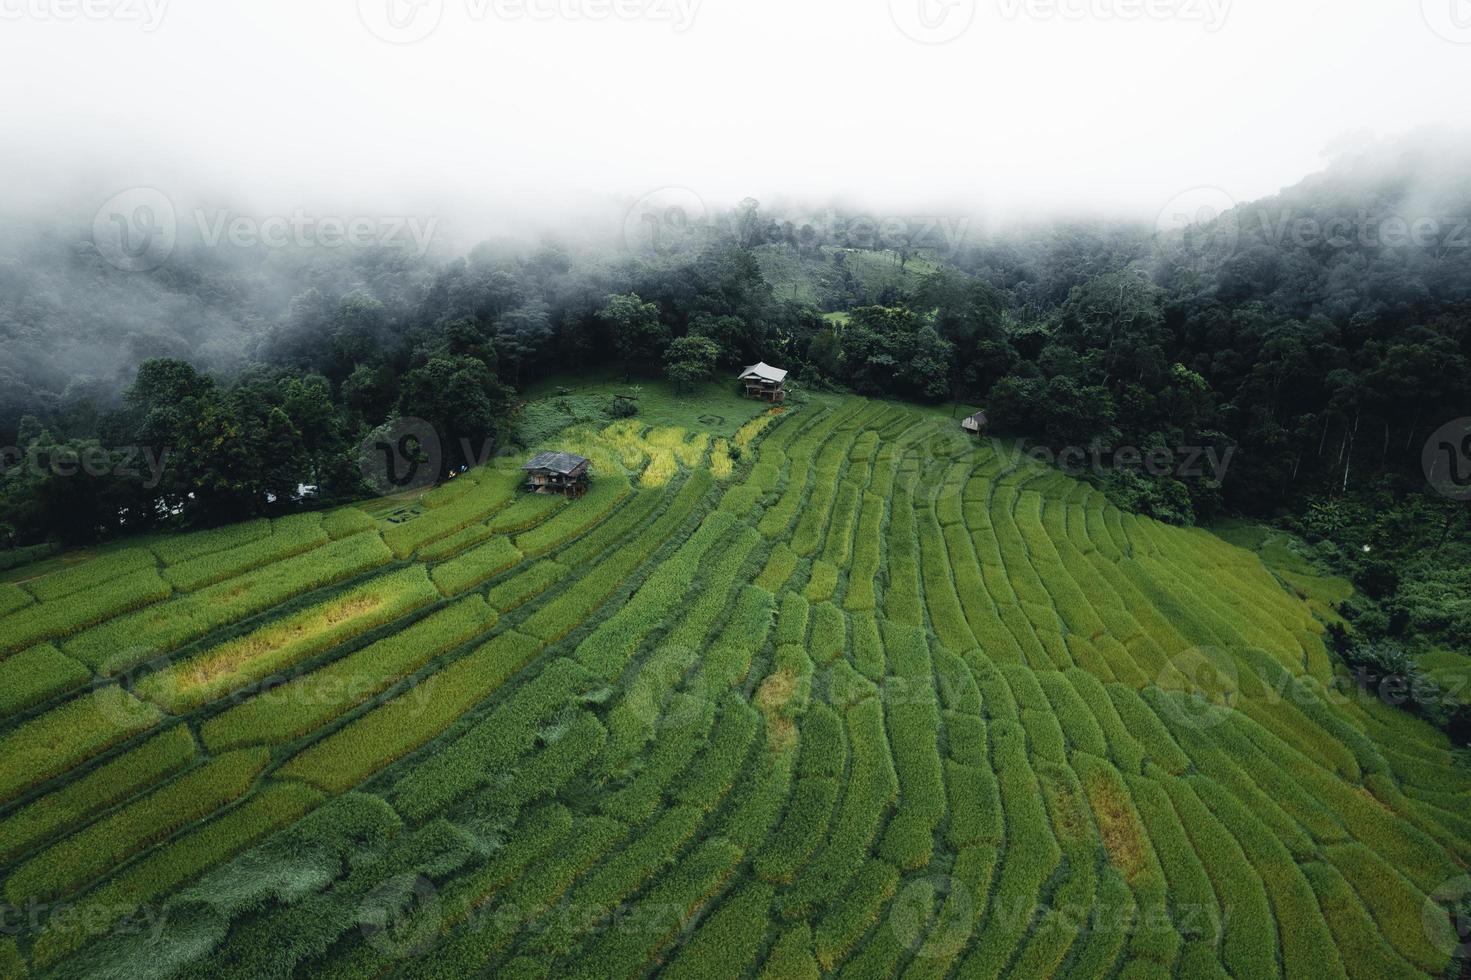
1450	19
400	21
933	21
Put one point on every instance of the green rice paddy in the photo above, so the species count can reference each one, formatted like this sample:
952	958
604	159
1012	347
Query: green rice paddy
871	700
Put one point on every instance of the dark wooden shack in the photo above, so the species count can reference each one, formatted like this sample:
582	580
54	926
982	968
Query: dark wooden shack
564	473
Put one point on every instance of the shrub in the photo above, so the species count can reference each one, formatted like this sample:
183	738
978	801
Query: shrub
297	707
76	802
61	739
285	643
133	639
37	675
90	853
476	566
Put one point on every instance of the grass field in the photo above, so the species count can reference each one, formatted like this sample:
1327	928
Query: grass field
871	700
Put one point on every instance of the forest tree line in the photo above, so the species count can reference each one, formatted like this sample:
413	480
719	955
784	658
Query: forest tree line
1318	367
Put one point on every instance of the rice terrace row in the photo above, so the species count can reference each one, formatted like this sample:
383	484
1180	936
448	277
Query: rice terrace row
832	690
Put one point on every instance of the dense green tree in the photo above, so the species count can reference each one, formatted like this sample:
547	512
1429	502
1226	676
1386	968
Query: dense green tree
689	360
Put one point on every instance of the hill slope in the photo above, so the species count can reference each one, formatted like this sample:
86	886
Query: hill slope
873	700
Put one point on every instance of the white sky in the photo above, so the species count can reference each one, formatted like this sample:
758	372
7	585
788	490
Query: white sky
1032	109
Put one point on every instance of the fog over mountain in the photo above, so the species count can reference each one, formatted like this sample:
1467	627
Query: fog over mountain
511	114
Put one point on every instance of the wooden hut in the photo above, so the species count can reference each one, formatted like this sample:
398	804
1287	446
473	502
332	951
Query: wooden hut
975	424
765	382
564	473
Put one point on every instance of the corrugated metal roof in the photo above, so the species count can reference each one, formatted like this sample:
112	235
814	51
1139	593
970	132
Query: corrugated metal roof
762	371
563	463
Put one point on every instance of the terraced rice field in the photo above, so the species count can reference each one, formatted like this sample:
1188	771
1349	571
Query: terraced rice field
872	701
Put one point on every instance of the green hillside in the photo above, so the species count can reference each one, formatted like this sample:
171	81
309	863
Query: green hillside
833	278
865	698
